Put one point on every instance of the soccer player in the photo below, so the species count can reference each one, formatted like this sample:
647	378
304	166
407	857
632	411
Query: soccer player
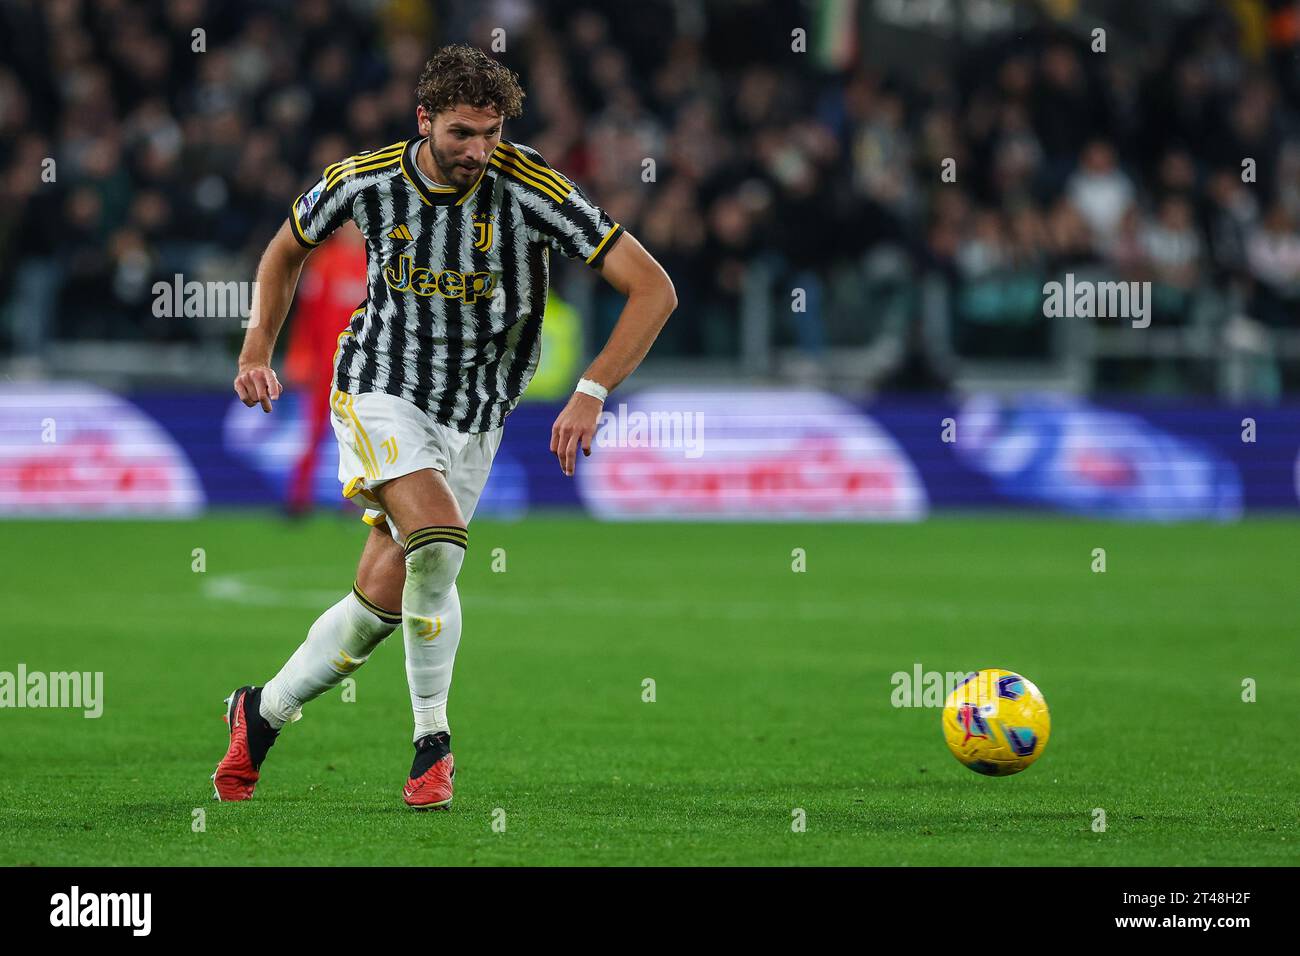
459	224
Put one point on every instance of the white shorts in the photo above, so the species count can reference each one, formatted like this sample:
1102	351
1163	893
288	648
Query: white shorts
382	437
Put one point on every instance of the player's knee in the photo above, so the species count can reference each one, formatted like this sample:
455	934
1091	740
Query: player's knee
382	581
381	572
433	559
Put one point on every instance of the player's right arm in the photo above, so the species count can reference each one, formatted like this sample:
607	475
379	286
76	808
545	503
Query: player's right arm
313	217
277	277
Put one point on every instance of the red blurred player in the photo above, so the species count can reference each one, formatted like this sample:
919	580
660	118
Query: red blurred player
333	284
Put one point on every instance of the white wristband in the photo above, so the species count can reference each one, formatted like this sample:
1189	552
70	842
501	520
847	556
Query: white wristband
594	389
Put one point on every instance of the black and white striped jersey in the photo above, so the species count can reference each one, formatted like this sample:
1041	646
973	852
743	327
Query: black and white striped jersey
456	280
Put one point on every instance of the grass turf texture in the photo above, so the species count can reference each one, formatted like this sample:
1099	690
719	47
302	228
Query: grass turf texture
773	693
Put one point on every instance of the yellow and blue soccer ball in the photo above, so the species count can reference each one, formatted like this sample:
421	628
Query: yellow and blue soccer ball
996	722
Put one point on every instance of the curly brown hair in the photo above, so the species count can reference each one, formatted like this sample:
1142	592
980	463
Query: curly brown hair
465	75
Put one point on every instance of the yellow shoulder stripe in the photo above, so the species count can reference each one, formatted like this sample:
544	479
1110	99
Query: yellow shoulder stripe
530	164
544	185
361	157
536	169
366	167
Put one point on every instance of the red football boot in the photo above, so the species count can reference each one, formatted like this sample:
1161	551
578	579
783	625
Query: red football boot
429	785
250	738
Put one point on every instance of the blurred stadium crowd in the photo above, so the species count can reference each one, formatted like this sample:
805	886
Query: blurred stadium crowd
818	171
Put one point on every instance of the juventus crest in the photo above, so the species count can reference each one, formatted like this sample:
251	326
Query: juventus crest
483	233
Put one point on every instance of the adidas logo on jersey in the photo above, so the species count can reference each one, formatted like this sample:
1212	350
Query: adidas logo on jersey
401	232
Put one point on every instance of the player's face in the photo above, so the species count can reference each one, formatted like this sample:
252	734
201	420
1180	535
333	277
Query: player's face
462	139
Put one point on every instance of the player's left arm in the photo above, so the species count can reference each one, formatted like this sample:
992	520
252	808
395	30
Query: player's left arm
651	298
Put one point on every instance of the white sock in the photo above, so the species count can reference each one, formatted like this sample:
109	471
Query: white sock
337	644
431	621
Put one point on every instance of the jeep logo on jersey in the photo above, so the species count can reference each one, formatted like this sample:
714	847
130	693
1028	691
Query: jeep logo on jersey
467	286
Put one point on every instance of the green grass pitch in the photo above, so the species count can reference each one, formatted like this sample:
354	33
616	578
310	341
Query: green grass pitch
772	694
